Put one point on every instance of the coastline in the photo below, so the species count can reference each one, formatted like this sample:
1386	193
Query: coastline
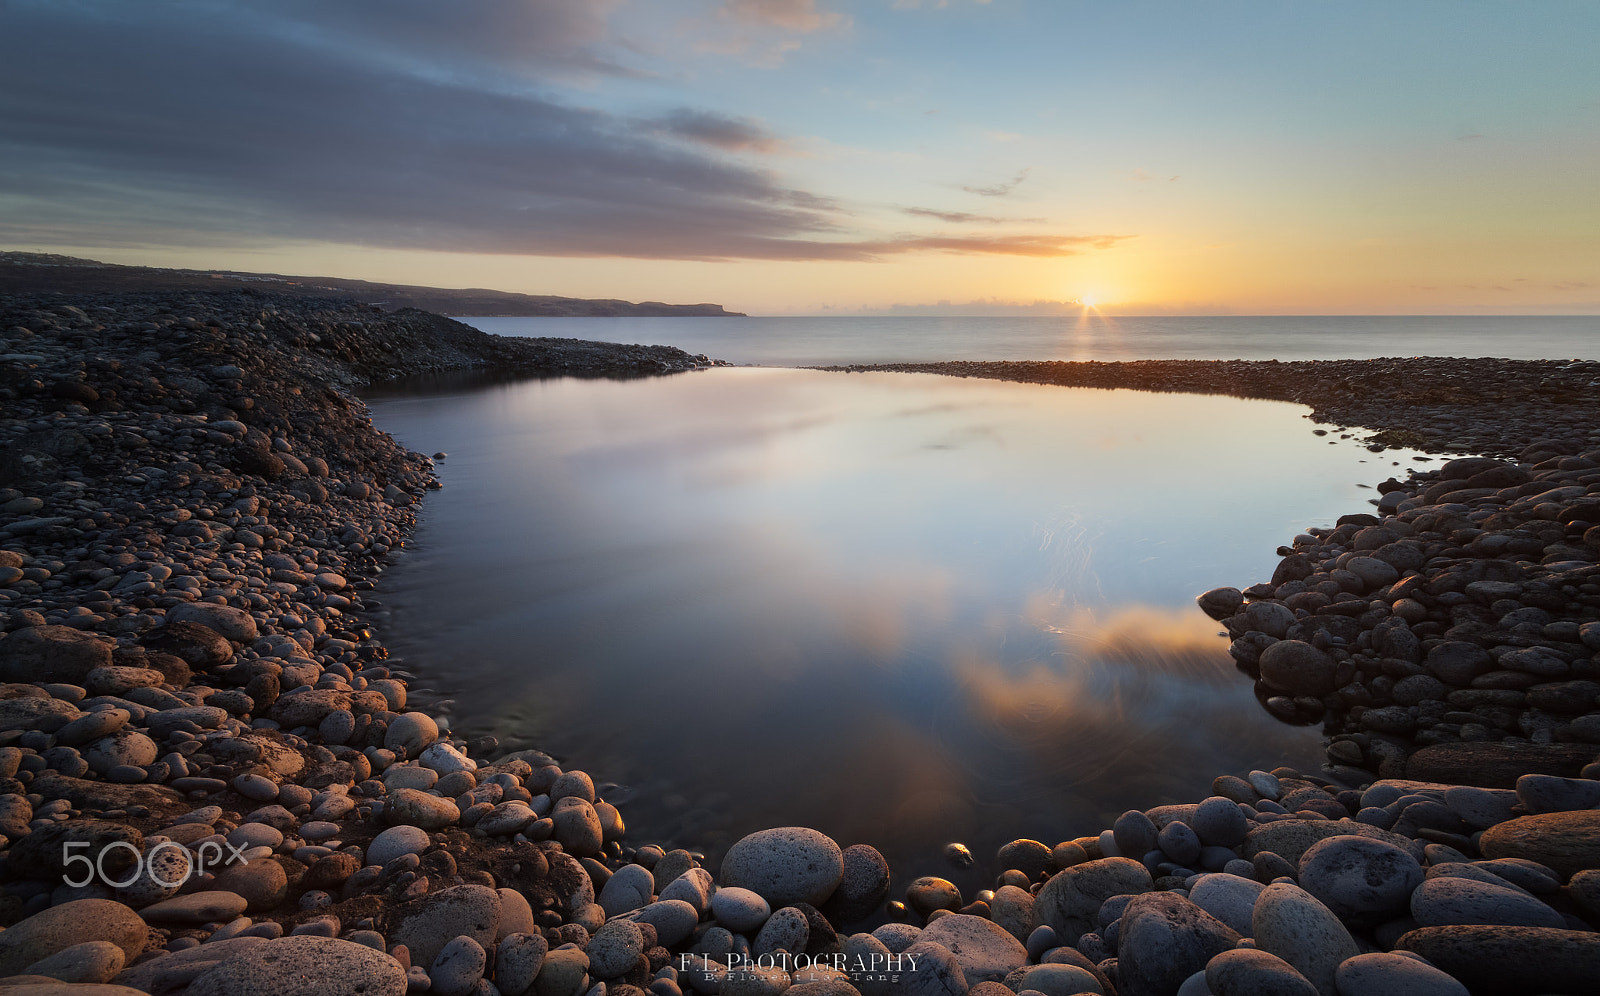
285	508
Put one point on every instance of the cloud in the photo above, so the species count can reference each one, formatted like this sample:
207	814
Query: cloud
1000	189
198	125
1002	245
959	217
763	32
802	16
719	131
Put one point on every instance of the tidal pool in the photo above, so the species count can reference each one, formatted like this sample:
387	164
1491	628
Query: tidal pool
901	609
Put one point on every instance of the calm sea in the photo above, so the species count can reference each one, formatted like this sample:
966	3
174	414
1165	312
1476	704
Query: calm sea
819	341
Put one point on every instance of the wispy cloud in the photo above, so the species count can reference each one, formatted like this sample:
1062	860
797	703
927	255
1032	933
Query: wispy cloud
1000	245
719	131
763	32
1000	189
963	217
803	16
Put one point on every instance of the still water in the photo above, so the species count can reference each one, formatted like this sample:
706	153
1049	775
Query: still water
902	609
836	340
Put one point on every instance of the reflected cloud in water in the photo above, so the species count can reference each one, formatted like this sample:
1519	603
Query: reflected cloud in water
900	609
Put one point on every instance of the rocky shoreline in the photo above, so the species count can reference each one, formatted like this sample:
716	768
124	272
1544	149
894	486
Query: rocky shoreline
210	781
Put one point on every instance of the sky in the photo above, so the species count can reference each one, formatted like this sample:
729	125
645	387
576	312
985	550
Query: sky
827	157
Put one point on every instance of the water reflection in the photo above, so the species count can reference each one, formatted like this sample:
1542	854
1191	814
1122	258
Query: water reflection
900	609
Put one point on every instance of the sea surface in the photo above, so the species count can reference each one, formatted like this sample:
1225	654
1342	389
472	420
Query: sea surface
902	609
825	341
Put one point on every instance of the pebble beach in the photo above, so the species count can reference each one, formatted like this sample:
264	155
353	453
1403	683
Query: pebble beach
210	780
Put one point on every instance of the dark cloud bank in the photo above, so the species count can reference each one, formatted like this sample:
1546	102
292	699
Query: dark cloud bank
406	124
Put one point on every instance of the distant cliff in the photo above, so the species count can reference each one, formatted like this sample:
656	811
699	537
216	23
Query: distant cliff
44	273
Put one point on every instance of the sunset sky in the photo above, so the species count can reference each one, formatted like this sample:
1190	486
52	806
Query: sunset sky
825	156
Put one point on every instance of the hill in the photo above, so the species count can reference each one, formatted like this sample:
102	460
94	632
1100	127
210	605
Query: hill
47	273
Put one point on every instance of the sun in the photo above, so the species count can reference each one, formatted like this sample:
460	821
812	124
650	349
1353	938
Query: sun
1088	300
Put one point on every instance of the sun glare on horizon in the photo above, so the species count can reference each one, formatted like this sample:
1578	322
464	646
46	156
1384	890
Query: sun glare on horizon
1088	301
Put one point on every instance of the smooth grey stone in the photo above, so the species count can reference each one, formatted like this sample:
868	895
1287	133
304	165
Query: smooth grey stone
863	885
517	961
60	927
1163	939
1219	823
305	966
785	865
1552	794
1055	980
1070	900
472	910
694	887
673	919
1180	843
197	908
1480	808
937	972
985	950
1247	972
740	910
419	809
1229	898
1362	880
1521	872
1289	922
629	888
577	826
458	967
396	841
1134	832
615	948
1392	974
786	928
1450	900
172	972
898	936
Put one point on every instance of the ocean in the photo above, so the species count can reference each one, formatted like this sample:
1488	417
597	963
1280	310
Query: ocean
827	340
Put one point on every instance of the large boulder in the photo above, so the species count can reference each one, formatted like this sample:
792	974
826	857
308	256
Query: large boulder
1069	902
1298	668
61	927
305	966
236	625
786	865
52	653
428	924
